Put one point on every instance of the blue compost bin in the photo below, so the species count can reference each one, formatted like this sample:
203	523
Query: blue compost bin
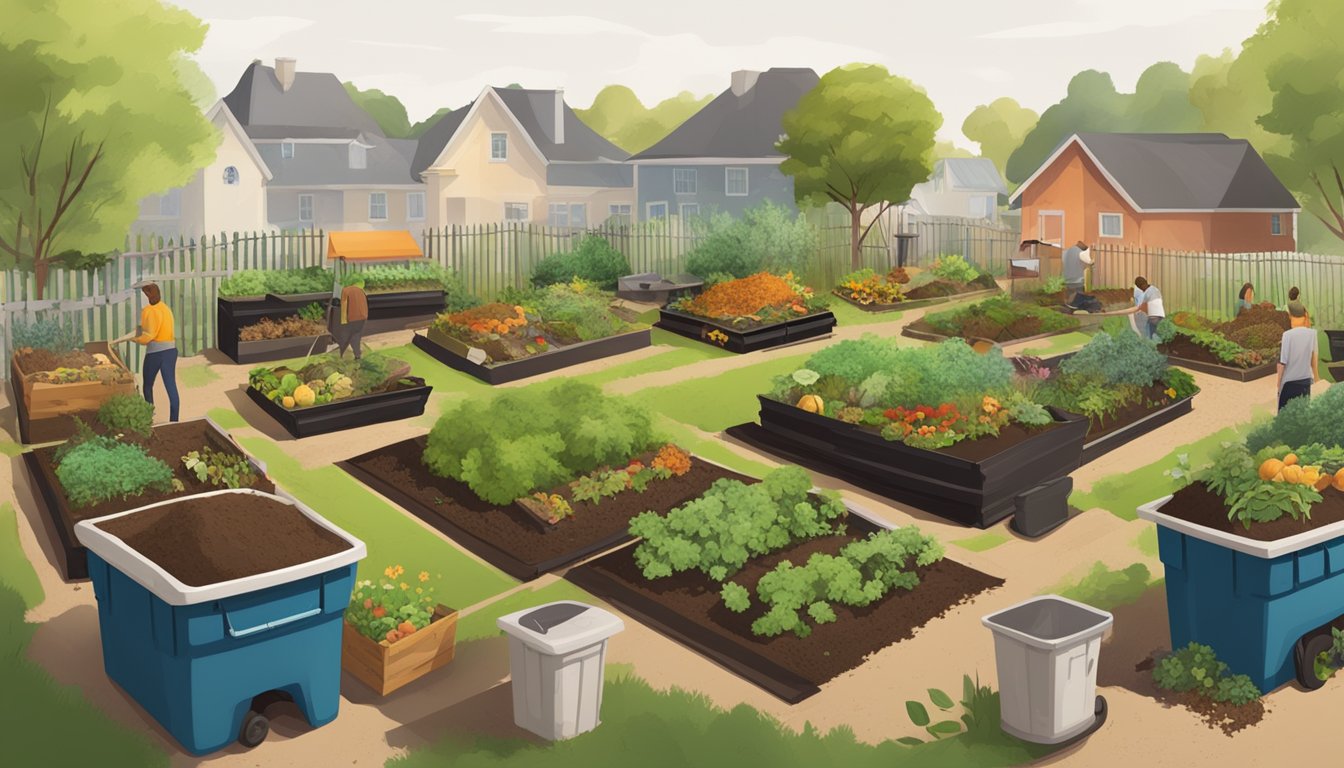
195	658
1249	600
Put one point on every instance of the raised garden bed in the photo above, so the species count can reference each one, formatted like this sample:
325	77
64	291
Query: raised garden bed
1185	353
687	608
653	288
46	411
755	312
508	536
999	319
1336	342
748	339
1111	299
858	290
233	314
1243	349
397	311
404	402
459	356
386	666
334	393
168	442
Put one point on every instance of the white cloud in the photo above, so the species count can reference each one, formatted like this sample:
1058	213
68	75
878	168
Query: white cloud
991	74
412	46
552	25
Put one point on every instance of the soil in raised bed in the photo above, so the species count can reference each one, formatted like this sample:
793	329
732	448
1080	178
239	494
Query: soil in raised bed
1110	298
1185	348
985	328
940	288
514	531
37	360
1130	413
285	328
219	538
169	443
832	648
1195	503
982	448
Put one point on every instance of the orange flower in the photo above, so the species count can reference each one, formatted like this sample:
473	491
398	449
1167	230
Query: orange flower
424	576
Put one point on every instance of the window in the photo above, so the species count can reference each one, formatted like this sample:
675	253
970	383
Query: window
499	147
286	149
415	205
170	204
231	176
980	206
515	212
1112	225
683	181
572	215
305	207
735	182
377	206
656	211
619	213
359	155
1275	224
690	210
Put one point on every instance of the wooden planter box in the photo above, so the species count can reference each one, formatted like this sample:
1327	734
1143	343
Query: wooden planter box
45	411
385	666
749	340
454	354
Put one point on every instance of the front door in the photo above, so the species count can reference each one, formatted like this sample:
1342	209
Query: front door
1050	228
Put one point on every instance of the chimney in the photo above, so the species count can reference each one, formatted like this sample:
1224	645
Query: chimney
559	116
284	72
743	80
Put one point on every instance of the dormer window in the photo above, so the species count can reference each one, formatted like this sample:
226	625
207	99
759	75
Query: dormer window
286	150
499	147
359	156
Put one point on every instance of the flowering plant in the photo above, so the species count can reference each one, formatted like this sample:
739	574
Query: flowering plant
499	319
867	287
391	608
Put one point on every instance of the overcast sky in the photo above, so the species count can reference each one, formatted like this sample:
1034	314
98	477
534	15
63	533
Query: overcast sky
434	53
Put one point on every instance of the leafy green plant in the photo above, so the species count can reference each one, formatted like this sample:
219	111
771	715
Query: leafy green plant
282	282
980	713
1267	502
1027	412
99	470
313	313
1181	383
766	237
592	260
220	468
1117	358
954	268
577	310
1304	421
127	413
1000	318
1107	589
1052	285
735	597
1196	668
919	715
1166	330
50	334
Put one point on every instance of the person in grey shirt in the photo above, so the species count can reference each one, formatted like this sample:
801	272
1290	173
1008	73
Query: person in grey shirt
1076	261
1299	360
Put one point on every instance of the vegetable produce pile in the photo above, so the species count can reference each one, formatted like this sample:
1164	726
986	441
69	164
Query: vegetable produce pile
281	282
328	378
50	352
998	319
760	298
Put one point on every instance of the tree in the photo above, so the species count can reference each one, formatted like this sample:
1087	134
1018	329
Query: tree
945	149
862	138
999	128
385	109
419	128
94	115
620	117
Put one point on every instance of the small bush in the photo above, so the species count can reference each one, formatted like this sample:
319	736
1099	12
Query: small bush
1304	421
954	268
100	470
592	260
253	282
51	335
577	307
765	238
127	413
1119	358
1166	330
1196	668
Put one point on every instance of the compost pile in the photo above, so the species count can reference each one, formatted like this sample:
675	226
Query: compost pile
997	319
205	540
67	367
285	328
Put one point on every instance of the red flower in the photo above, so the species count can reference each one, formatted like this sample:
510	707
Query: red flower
540	341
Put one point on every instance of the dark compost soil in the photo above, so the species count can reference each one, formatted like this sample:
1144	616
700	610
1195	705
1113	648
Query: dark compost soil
1130	413
832	648
36	360
940	288
219	538
1195	503
1110	298
1184	348
985	328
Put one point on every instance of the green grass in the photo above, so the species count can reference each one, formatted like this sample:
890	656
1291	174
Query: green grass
984	542
392	536
226	418
15	572
1107	589
11	449
1147	541
718	402
848	314
673	729
1057	345
195	376
480	624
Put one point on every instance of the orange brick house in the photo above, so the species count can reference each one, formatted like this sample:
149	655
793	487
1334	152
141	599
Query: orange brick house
1175	191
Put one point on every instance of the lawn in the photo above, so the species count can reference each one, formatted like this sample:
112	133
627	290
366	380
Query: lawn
1108	589
1057	345
717	402
984	542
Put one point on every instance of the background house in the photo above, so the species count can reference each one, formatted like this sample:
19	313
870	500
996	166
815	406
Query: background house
723	158
968	187
332	167
521	155
1191	192
228	195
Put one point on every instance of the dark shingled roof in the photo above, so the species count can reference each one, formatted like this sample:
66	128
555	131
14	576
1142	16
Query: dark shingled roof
316	103
1190	171
535	112
738	126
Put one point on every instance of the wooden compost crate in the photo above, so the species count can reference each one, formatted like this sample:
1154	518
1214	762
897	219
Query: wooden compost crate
45	411
385	666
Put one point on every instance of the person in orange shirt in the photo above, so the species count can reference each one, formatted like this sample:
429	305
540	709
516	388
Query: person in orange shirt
156	334
348	328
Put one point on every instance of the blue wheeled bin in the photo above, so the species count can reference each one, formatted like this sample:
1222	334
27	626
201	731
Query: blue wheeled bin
199	659
1265	607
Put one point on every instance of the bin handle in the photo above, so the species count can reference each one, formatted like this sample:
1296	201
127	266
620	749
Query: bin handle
268	625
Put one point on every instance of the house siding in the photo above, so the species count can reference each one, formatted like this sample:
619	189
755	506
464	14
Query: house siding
764	182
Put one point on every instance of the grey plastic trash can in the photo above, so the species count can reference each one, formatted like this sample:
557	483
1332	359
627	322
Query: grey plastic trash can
1046	651
556	656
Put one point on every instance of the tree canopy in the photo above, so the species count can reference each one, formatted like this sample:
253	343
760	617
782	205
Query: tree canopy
620	117
96	112
385	109
999	128
862	138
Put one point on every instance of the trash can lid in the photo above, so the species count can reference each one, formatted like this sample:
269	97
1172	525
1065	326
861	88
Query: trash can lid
561	627
1049	622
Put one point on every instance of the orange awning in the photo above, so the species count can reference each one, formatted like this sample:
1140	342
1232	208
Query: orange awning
387	245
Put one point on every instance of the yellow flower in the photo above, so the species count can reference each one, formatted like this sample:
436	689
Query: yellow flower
405	586
424	576
1171	391
390	572
419	590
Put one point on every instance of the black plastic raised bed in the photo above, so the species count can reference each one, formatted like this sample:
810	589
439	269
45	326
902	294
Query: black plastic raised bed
1336	340
1225	371
978	493
401	310
545	362
232	314
1096	448
748	340
346	413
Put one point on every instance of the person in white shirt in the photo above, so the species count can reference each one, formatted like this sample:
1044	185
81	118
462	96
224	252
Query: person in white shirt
1148	302
1076	261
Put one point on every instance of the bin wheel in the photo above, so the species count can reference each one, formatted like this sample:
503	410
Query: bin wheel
1305	652
254	730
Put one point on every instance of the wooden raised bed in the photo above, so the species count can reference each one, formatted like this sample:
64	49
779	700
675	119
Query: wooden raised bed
1226	371
1335	339
347	413
51	499
46	411
977	492
750	339
385	666
456	355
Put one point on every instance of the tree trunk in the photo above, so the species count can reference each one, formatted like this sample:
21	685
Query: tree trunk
40	268
855	245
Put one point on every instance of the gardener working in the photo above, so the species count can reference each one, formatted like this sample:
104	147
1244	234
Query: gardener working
1245	298
1076	261
354	312
156	333
1149	303
1299	362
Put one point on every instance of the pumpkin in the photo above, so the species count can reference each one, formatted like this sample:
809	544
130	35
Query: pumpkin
811	404
287	401
1270	468
1339	480
304	395
1310	475
1290	459
1292	474
1323	482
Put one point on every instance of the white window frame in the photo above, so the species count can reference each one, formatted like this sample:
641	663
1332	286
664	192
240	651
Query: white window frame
411	215
648	210
373	196
286	150
503	157
688	178
359	156
978	207
625	211
1275	224
1101	225
554	211
524	208
746	181
681	210
309	200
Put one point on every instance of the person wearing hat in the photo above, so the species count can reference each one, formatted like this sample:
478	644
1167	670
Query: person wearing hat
156	334
1299	358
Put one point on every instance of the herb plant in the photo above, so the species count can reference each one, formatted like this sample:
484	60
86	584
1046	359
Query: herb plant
127	413
103	469
954	268
1196	668
51	335
220	468
282	282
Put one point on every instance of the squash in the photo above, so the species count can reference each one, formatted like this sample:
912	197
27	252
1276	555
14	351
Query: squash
1323	482
1292	474
287	401
1290	459
1270	468
811	404
304	396
1339	480
1310	475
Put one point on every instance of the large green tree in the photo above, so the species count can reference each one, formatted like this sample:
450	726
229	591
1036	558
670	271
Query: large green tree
862	138
95	114
999	128
385	109
618	115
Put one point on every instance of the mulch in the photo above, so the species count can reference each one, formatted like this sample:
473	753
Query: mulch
1195	503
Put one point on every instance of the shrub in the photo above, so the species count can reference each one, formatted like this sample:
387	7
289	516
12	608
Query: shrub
578	310
1304	421
535	438
593	260
954	268
252	282
1166	330
1196	668
100	470
1117	358
765	238
127	413
51	335
1052	285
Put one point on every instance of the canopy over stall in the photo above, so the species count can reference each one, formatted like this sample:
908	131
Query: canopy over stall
390	245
